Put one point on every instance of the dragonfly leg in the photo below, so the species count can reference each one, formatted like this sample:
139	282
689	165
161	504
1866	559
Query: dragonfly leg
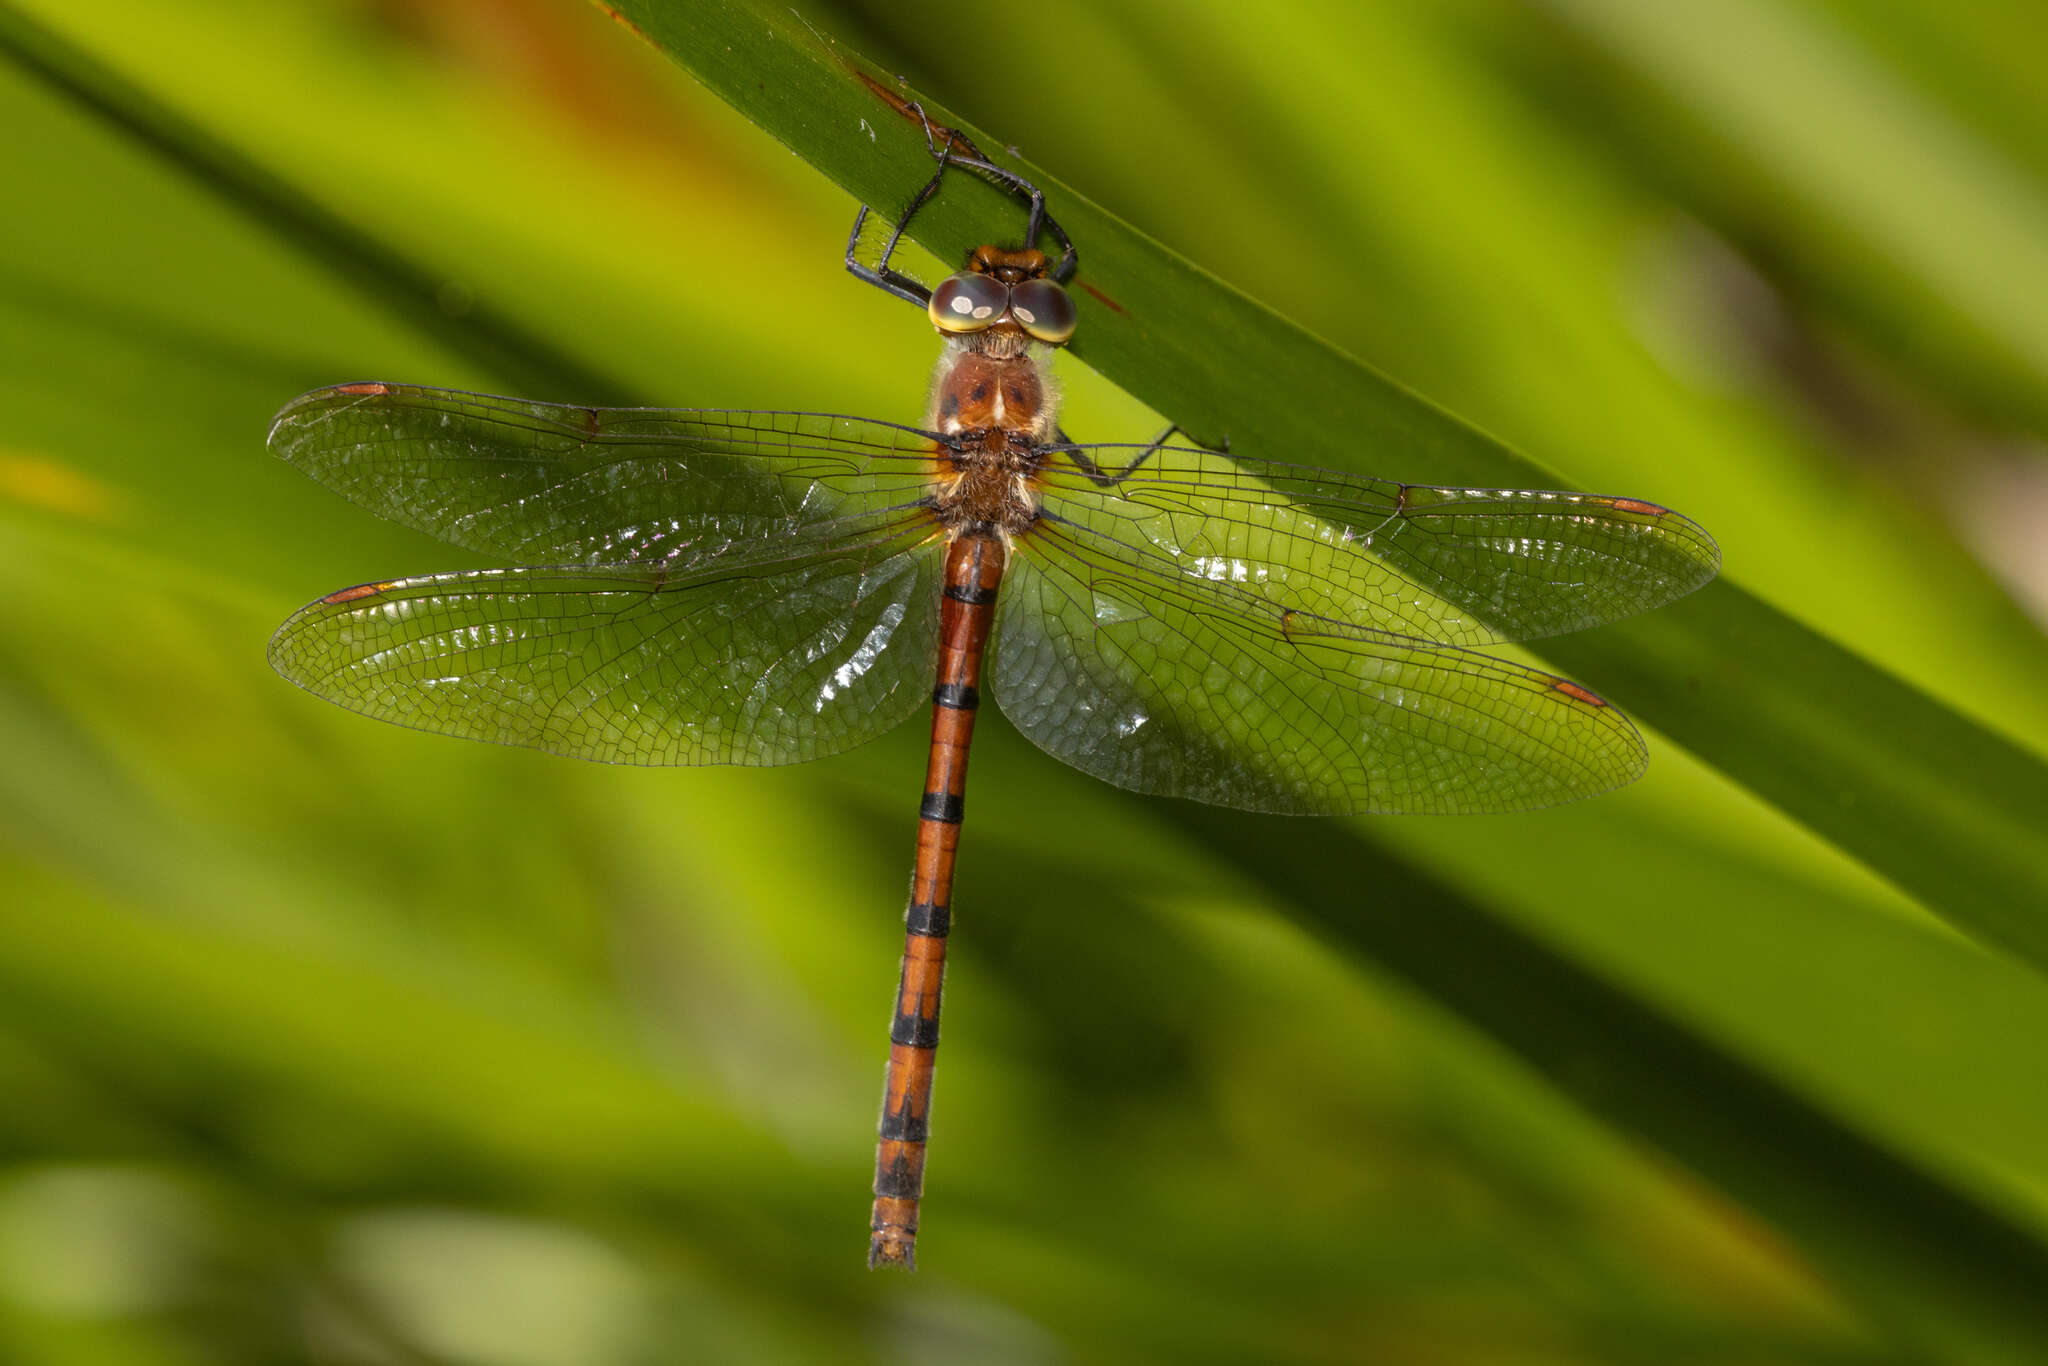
1107	479
954	149
957	149
1038	223
881	274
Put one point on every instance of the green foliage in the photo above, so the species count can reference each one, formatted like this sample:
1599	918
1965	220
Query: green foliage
297	1012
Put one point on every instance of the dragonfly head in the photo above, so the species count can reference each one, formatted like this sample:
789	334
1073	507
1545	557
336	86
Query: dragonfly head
1008	290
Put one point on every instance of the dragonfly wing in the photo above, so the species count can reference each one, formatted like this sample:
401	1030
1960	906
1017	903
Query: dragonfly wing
712	659
1116	661
548	483
1457	565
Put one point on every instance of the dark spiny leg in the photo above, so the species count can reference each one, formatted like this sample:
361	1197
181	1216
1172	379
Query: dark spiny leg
1105	479
959	150
881	275
955	149
1039	222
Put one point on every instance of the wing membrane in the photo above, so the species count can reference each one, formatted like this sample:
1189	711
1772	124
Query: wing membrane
712	659
1456	565
1118	662
759	588
548	483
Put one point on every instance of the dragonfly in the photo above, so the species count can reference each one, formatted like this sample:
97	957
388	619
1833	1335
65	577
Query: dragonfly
705	586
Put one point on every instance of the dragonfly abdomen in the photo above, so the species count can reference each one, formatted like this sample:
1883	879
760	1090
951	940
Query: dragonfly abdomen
974	570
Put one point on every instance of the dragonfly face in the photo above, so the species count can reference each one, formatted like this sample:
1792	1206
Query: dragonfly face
697	586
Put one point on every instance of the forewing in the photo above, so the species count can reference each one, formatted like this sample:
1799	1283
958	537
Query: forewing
1118	662
1460	566
548	483
712	659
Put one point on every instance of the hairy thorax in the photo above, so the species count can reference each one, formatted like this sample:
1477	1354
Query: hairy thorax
993	393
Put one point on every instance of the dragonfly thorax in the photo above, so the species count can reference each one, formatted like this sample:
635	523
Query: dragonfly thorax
995	399
985	485
990	383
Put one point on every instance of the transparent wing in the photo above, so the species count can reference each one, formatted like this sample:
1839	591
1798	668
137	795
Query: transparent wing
1119	662
1460	566
712	659
547	483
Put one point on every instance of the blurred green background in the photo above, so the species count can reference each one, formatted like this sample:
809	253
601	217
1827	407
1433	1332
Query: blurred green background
325	1041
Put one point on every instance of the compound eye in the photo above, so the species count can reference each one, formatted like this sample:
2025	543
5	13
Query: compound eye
1043	309
968	303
